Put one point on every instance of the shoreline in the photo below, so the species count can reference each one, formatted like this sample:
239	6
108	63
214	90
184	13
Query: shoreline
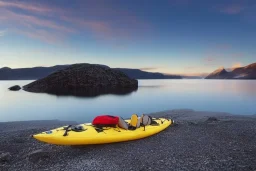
180	114
200	140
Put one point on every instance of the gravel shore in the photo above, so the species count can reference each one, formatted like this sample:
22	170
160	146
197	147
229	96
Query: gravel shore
198	141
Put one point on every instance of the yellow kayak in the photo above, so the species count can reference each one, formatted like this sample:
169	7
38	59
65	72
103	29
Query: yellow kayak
89	134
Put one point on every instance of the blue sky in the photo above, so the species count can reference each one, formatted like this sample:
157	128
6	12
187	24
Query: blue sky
190	37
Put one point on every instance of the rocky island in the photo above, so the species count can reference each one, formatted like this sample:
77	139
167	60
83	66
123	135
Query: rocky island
84	80
39	72
15	88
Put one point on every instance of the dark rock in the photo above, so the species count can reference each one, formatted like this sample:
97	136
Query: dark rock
5	68
191	123
212	119
38	155
5	157
15	88
84	80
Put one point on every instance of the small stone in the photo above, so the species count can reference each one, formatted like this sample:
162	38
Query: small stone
5	157
38	155
15	88
212	119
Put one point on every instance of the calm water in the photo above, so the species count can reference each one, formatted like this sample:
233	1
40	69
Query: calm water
233	96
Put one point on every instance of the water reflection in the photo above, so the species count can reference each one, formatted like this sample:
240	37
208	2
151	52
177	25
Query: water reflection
218	87
233	96
91	93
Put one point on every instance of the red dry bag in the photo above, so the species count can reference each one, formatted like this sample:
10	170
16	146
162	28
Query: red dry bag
105	120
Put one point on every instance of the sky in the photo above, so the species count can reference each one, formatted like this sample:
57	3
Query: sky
188	37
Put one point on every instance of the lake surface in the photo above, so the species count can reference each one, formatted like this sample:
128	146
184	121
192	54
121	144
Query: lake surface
233	96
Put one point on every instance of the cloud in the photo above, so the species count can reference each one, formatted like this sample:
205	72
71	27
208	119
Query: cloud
33	27
86	17
244	9
27	6
35	21
232	9
236	65
100	28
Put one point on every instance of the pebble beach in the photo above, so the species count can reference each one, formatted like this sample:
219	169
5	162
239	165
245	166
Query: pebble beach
199	140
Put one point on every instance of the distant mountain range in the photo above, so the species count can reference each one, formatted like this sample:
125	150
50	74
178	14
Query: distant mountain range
41	72
247	72
139	74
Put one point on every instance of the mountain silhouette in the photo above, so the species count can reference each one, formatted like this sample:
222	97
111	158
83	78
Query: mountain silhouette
247	72
41	72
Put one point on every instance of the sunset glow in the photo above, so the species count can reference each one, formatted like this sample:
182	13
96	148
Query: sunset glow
173	37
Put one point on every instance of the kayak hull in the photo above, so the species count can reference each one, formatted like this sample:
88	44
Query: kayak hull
92	135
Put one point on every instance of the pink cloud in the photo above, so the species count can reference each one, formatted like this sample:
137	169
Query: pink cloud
236	65
100	28
34	27
106	30
27	20
232	9
73	20
25	6
246	9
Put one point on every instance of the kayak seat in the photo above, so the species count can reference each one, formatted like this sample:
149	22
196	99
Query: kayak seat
145	120
122	123
134	123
